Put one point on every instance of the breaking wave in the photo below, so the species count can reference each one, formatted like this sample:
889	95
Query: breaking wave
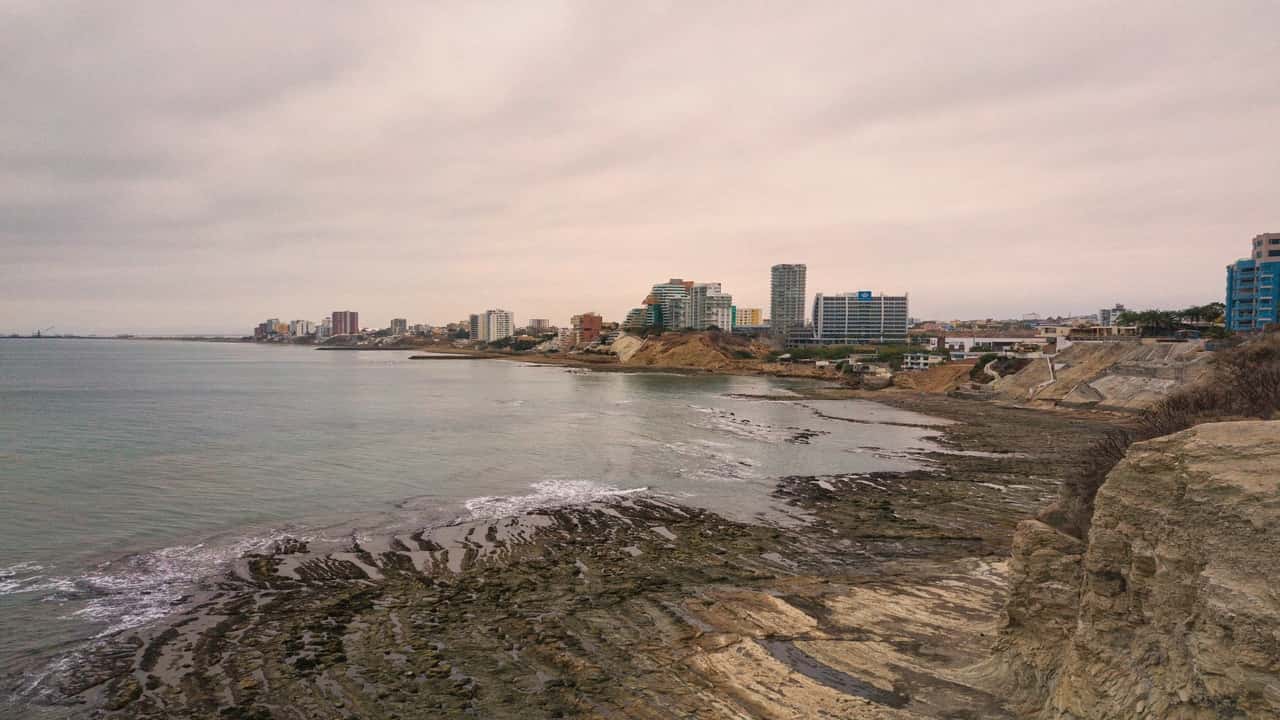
547	494
132	591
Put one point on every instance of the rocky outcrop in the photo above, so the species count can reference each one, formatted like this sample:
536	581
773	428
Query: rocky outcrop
1040	615
1178	610
625	347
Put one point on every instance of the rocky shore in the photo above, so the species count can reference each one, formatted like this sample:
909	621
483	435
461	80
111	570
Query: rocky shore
639	607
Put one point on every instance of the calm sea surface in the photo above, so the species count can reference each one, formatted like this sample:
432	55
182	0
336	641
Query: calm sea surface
128	469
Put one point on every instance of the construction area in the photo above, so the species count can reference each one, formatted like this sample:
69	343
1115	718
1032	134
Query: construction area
1119	376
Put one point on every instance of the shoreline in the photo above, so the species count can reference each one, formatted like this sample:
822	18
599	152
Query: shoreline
404	614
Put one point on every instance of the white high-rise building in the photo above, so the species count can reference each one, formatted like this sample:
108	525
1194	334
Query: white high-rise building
301	328
493	325
859	317
709	307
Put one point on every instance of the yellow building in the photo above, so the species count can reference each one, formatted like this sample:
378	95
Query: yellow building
750	316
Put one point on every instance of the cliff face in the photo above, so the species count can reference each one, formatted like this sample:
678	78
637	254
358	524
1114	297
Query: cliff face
1178	609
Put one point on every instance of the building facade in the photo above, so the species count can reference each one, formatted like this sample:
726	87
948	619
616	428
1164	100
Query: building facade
345	322
492	325
301	328
749	316
857	317
636	319
786	299
399	326
1111	316
586	328
920	361
683	304
708	307
1253	286
667	303
537	326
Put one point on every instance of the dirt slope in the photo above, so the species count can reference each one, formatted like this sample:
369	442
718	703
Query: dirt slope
703	350
1109	375
938	379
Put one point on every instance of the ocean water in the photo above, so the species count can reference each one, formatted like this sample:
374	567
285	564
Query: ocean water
130	469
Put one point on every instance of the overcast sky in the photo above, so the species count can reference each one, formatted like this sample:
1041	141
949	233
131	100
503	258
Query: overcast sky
198	167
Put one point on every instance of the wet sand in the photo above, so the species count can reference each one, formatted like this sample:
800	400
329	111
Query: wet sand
635	607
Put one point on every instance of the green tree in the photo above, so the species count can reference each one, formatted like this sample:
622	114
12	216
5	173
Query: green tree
1151	322
1212	312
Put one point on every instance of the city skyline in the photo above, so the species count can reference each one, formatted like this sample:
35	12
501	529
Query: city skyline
426	161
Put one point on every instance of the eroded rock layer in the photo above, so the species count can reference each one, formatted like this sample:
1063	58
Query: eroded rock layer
1177	610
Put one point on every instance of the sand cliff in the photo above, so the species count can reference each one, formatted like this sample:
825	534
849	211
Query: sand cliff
1170	610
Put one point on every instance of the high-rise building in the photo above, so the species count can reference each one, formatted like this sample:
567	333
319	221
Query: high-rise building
786	299
301	328
749	316
325	329
708	306
345	322
399	326
538	326
1253	286
492	325
679	304
666	305
857	317
1110	316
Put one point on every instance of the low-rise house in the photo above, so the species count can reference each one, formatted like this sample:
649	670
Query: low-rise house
1091	332
920	361
967	347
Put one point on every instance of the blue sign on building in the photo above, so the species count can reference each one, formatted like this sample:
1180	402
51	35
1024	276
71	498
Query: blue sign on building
864	295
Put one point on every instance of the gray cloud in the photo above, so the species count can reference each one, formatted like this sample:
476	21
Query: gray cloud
197	167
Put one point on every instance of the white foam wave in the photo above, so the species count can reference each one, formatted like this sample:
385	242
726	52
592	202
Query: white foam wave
547	494
134	590
26	577
142	588
22	568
